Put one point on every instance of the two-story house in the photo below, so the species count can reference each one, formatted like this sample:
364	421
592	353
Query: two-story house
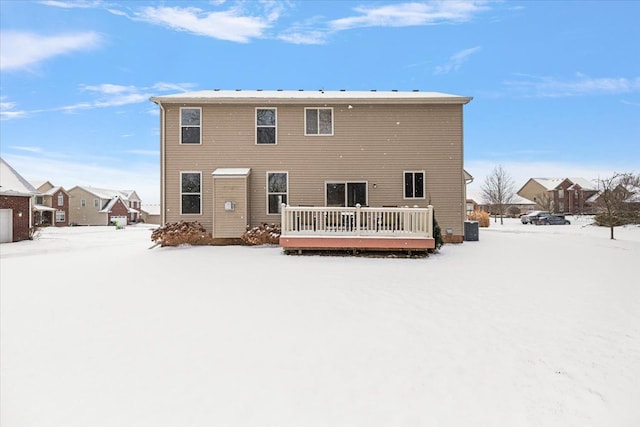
100	206
560	195
231	159
51	205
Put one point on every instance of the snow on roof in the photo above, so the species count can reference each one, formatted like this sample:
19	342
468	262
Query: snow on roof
551	183
104	193
12	183
231	172
314	95
151	209
43	208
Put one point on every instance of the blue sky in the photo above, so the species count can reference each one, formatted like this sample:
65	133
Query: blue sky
556	84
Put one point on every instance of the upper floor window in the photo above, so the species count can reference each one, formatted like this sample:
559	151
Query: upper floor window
190	192
96	203
60	199
266	126
83	202
190	125
39	200
561	193
318	121
277	189
414	185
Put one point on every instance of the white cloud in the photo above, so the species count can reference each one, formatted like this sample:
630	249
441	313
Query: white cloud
410	14
82	4
310	37
580	86
456	60
225	25
27	148
22	50
7	111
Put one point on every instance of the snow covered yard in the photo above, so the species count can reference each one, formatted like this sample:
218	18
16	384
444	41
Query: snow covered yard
530	326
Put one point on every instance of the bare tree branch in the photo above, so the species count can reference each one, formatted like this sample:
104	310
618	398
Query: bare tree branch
498	190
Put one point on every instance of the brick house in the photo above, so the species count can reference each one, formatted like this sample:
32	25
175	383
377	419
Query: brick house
560	195
15	205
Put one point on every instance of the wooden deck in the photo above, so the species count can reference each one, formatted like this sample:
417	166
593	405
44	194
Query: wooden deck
356	229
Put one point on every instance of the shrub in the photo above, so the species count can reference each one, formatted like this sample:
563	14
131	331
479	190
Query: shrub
181	233
437	235
264	234
481	216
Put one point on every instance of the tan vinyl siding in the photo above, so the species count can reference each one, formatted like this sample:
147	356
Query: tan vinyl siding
87	215
375	143
230	224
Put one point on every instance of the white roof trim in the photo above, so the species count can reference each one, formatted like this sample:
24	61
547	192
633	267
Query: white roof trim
322	96
231	172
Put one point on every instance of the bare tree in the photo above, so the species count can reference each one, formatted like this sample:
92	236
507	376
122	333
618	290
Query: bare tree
618	201
498	190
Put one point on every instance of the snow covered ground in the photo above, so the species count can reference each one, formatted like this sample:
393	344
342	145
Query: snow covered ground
530	326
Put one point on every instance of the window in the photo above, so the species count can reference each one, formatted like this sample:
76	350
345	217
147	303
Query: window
277	189
190	125
341	194
265	125
561	193
59	216
60	199
39	200
83	203
190	192
318	121
96	203
414	185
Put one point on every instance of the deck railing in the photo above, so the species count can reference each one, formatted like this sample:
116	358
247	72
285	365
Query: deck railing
357	221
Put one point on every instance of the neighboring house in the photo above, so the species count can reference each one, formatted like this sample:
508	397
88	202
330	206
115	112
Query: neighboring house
51	205
517	206
15	205
150	214
99	206
229	159
560	195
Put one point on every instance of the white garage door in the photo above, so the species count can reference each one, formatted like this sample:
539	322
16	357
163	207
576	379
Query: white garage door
121	221
6	225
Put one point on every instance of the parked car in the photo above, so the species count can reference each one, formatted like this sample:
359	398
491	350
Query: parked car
553	220
533	216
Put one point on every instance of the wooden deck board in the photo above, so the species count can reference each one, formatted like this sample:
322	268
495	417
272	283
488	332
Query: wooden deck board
359	243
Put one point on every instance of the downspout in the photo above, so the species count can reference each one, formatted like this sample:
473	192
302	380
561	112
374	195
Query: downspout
162	164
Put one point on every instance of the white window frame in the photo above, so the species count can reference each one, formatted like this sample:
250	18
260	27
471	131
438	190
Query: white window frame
404	184
199	126
190	194
60	199
60	216
318	116
268	193
96	203
275	126
83	203
346	195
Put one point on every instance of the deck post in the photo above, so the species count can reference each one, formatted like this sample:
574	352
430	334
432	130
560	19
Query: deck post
283	217
430	221
357	219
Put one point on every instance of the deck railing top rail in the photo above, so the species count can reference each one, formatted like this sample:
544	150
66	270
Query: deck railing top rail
357	221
